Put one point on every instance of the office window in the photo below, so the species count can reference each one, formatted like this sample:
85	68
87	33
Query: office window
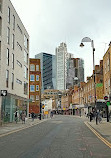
7	78
25	72
37	77
26	42
32	67
37	97
8	35
19	63
19	46
8	15
18	81
32	97
13	22
37	67
25	57
25	88
32	88
32	77
12	61
12	81
13	39
37	87
19	28
7	60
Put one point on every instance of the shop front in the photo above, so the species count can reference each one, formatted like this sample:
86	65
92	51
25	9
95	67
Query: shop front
10	104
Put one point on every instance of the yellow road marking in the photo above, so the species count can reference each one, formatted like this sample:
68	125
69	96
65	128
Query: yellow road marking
98	135
17	130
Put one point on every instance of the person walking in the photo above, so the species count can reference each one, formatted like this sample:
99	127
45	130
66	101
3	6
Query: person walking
32	115
97	114
16	118
23	117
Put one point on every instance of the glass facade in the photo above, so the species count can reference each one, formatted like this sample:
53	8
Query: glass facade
10	104
48	71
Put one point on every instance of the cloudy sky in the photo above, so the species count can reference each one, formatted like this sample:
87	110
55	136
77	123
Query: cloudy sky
50	22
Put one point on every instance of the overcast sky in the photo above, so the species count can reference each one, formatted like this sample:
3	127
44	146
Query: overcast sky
50	22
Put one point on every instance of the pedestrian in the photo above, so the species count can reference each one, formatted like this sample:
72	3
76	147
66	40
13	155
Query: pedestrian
32	115
16	119
23	117
97	114
51	114
90	115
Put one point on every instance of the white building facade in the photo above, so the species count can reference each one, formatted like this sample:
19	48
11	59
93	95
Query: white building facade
61	59
14	62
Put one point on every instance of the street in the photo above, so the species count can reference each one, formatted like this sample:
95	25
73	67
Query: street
59	137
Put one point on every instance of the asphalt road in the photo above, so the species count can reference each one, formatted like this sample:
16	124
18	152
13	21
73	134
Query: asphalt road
60	137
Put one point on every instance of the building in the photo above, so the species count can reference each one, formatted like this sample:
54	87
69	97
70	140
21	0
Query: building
62	57
75	71
48	70
35	86
51	94
14	62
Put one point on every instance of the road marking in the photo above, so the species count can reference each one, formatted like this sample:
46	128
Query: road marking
98	135
20	129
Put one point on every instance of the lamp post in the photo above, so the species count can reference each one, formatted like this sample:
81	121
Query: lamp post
87	39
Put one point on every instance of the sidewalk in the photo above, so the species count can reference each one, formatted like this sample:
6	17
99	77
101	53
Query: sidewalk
11	127
103	128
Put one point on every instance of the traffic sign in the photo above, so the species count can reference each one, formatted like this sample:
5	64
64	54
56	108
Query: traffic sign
3	92
108	103
105	97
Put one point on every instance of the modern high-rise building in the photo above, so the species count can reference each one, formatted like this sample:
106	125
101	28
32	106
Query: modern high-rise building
14	62
62	57
48	70
34	86
75	73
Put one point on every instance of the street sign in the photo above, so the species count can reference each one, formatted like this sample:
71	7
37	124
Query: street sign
3	92
105	97
108	103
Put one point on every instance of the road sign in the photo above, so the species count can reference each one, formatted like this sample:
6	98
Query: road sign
3	92
105	97
108	103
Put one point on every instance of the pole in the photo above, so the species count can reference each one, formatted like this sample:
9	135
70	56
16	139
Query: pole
94	75
107	112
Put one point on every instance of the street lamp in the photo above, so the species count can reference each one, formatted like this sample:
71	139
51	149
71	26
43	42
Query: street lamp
87	39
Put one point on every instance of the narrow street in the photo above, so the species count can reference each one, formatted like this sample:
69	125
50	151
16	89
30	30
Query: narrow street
59	137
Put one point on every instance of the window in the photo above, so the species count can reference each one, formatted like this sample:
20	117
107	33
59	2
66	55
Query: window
12	61
37	77
13	22
37	97
7	78
32	97
25	88
32	67
32	88
19	46
8	35
12	81
26	42
18	81
37	87
37	67
19	28
25	72
19	63
32	78
25	57
13	39
7	62
8	15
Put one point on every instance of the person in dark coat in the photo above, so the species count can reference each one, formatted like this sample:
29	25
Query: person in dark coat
91	115
32	115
